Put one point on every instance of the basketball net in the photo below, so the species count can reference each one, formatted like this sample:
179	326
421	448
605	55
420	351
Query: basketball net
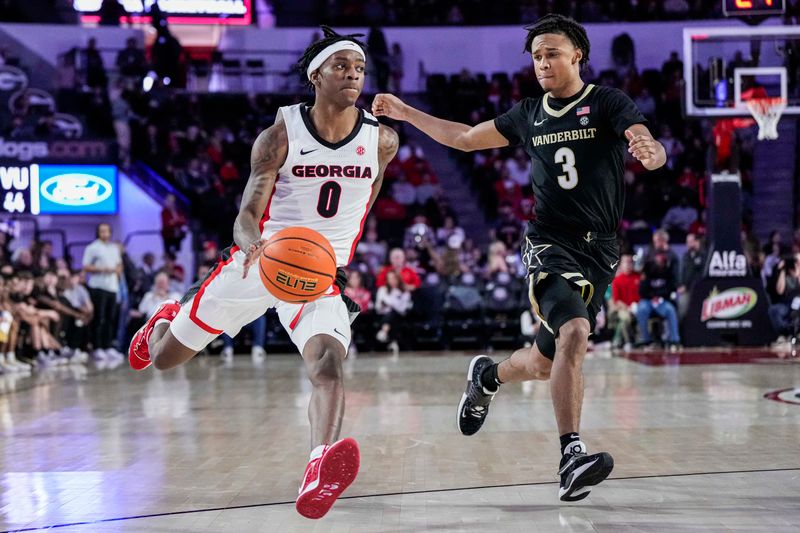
767	112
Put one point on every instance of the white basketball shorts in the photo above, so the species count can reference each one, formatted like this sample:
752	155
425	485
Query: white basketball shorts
225	302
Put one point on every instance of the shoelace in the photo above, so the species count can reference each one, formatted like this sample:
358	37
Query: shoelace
477	410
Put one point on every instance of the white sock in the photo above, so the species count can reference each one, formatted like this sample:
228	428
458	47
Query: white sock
159	321
575	447
316	452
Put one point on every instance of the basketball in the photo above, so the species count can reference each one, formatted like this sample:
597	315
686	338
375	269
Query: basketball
298	265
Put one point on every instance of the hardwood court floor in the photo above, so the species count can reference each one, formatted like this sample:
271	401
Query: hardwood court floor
212	448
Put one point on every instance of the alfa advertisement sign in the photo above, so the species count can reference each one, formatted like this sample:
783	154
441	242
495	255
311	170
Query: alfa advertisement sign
728	306
59	189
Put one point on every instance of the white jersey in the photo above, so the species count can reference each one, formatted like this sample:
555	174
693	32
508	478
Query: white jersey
325	186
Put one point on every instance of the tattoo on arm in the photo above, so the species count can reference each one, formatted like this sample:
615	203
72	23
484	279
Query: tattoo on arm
387	148
267	156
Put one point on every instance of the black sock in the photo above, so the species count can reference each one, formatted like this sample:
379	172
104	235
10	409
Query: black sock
489	378
567	439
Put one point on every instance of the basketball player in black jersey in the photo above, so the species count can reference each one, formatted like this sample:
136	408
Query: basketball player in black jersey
576	136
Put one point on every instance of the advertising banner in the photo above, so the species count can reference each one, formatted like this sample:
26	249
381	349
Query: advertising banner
729	305
15	152
59	189
237	12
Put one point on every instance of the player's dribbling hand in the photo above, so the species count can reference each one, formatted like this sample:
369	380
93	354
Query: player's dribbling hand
388	105
253	252
642	147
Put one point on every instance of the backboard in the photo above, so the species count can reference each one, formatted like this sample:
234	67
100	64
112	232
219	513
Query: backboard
724	66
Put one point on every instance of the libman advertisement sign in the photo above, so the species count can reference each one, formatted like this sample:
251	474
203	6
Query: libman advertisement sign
726	308
727	312
59	189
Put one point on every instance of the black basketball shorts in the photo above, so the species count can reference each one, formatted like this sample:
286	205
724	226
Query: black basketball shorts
567	277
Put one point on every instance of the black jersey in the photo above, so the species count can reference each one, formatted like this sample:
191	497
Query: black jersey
577	148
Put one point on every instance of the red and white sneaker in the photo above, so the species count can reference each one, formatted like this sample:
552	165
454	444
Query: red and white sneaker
328	474
138	351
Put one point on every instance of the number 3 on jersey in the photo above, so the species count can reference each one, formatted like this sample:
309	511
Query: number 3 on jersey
566	157
328	203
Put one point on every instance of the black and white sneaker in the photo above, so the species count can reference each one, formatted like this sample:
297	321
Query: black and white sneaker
474	405
579	471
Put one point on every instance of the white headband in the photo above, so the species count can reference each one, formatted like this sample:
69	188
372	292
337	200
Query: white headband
328	51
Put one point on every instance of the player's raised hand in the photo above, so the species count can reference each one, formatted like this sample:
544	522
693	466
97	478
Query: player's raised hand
253	253
643	147
388	105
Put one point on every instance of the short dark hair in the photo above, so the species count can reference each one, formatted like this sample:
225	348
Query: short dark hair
554	23
329	37
100	225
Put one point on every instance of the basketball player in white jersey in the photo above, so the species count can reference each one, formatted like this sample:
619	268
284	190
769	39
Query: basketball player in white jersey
320	167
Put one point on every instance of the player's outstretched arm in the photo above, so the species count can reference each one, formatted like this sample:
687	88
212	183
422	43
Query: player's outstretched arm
453	134
388	142
266	158
643	147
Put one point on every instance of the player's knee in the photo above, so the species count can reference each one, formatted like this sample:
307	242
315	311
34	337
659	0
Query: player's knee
326	369
575	335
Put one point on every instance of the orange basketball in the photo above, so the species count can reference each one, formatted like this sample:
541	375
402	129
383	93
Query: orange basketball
298	265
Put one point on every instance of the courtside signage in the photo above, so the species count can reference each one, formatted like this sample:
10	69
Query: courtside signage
728	304
59	189
727	264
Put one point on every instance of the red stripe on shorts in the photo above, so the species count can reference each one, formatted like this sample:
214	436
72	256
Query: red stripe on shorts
360	231
296	319
196	302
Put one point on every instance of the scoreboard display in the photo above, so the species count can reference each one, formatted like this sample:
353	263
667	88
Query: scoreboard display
744	8
226	12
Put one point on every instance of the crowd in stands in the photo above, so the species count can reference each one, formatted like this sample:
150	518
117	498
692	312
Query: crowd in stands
58	311
417	275
483	12
411	12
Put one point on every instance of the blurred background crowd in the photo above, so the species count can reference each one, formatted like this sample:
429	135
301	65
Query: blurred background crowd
439	263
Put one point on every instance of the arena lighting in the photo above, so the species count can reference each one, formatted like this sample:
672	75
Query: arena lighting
148	81
222	12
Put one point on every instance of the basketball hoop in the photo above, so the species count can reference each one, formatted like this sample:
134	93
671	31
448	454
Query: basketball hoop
767	112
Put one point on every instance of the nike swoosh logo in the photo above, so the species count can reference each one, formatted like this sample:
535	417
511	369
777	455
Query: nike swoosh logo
614	265
575	474
308	151
340	333
539	122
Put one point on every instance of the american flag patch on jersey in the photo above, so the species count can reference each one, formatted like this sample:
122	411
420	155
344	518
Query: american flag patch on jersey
583	110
